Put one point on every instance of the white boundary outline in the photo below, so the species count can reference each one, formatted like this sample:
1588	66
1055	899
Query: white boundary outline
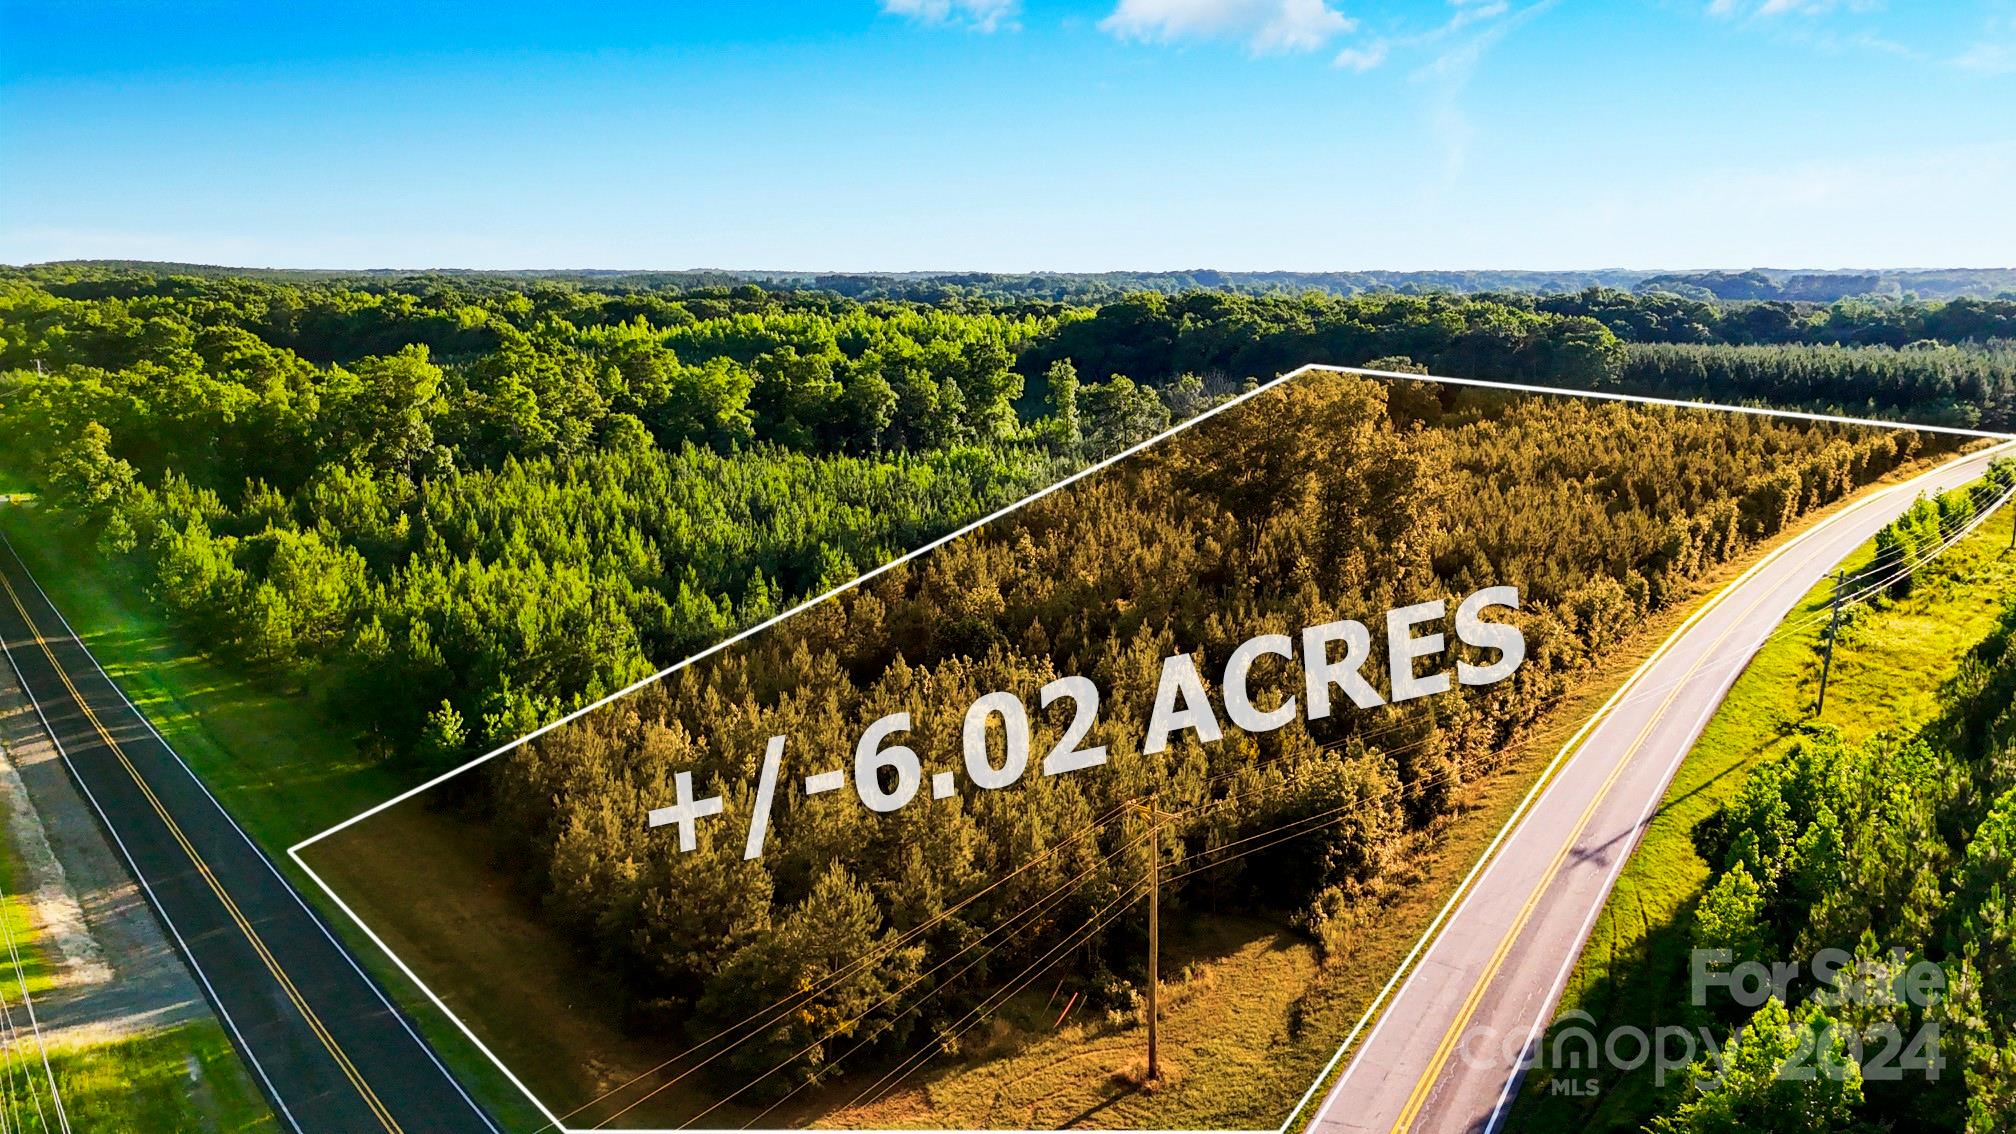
1463	889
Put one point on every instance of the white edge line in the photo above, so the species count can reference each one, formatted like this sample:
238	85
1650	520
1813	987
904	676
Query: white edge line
285	883
1546	781
190	957
1610	882
436	1000
1536	1031
1682	403
1465	890
294	852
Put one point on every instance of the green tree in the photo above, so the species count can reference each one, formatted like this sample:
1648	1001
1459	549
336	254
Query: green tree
1779	1075
1061	382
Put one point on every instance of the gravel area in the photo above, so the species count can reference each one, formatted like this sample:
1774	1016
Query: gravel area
116	973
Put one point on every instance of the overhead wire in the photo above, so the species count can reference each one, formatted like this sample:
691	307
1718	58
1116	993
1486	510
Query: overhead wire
788	1003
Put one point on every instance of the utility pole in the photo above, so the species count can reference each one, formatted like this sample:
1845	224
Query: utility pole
1833	628
1155	818
1154	939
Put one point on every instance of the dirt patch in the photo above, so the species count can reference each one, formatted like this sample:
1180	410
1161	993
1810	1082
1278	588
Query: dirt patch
113	972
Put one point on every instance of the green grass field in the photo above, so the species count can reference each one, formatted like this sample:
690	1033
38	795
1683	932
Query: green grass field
1889	663
287	774
181	1078
185	1078
282	769
19	926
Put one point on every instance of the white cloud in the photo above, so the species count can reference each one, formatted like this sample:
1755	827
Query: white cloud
1266	26
1994	50
1456	60
1474	11
1988	59
979	15
1739	8
1805	23
1363	59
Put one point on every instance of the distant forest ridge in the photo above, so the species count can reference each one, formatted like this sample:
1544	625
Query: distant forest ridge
1798	285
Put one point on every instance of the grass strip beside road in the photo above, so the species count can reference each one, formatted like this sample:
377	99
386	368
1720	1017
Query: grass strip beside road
281	769
1889	663
185	1077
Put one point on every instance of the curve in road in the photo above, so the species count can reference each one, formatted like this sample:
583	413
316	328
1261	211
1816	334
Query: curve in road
1450	1048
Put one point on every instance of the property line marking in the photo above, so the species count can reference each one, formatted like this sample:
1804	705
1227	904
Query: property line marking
1460	898
1039	494
1464	890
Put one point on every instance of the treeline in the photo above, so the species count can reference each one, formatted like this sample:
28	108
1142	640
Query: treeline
1664	317
1101	287
457	509
1933	384
358	480
1909	546
1896	851
1332	497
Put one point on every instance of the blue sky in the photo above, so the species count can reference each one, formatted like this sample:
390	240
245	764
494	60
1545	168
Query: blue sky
1006	135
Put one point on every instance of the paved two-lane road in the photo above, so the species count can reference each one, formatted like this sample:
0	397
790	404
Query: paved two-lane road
1445	1053
322	1040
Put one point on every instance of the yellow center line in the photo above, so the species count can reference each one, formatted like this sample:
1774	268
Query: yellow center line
272	964
1418	1097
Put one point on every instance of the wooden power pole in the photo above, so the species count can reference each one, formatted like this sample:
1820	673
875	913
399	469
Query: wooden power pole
1833	629
1154	940
1155	818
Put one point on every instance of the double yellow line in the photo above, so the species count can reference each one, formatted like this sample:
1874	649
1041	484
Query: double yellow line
1417	1099
371	1100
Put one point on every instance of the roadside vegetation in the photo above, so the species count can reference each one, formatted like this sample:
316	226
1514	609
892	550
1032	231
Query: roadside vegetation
364	529
282	769
1330	498
184	1077
1874	808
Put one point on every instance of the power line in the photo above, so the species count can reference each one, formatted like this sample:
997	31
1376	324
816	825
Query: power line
1048	900
790	1002
28	1004
1456	768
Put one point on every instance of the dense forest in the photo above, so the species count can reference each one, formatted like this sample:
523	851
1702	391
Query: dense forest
449	508
1101	287
454	506
1906	841
1331	497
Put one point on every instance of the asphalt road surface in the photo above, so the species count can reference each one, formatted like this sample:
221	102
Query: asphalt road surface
321	1039
1445	1054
